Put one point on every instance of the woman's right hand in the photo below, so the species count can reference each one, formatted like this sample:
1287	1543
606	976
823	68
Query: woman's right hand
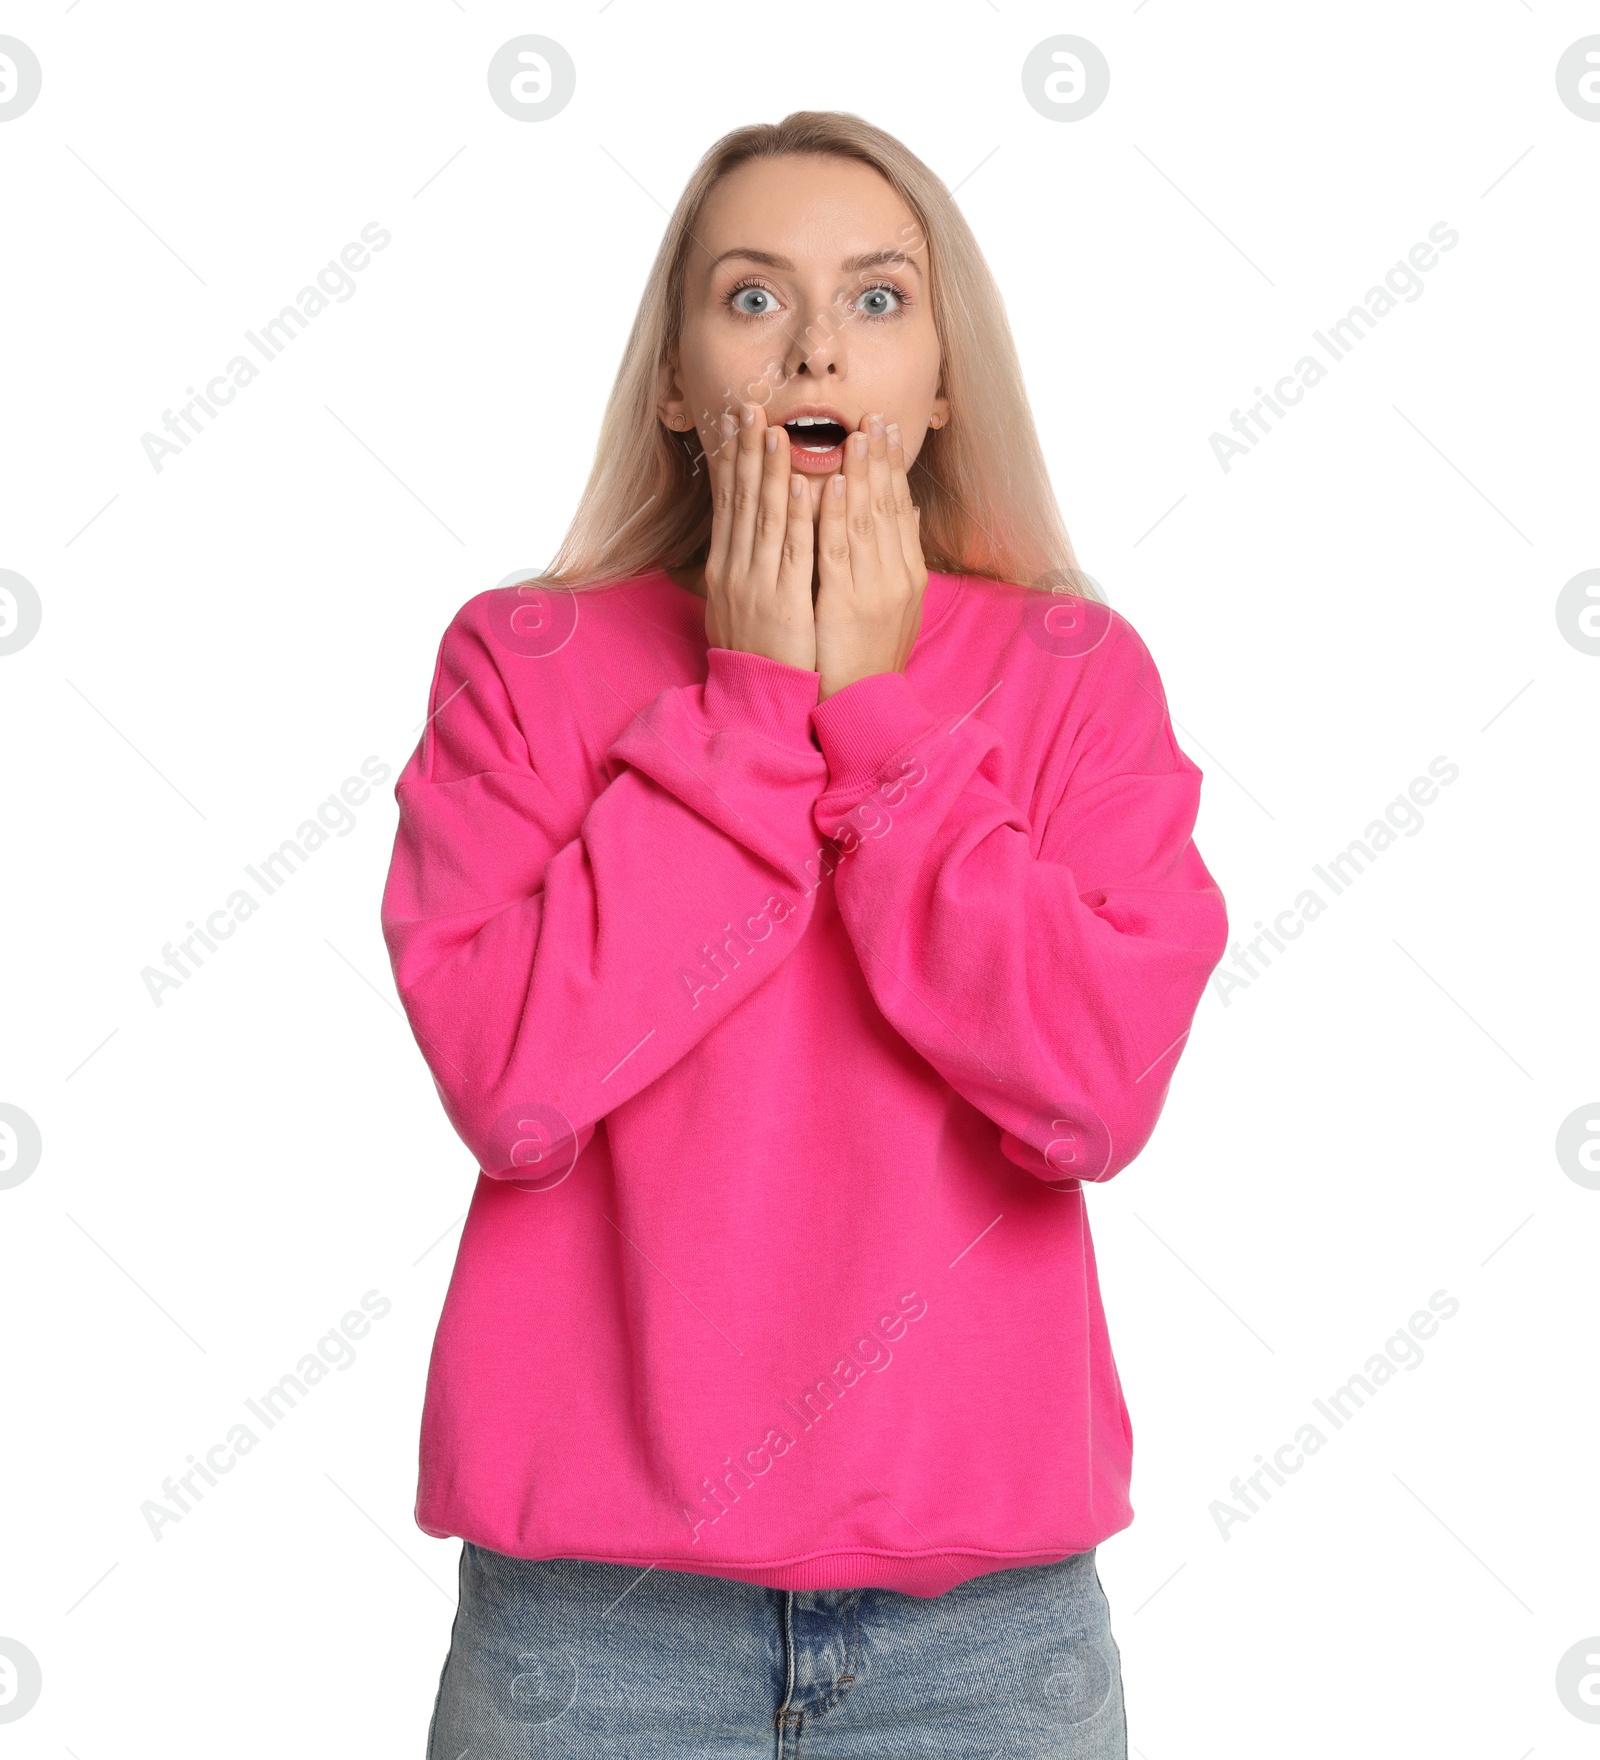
758	567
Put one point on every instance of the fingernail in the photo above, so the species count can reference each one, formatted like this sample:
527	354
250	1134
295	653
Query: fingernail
747	416
874	426
894	433
772	439
797	486
838	487
858	444
727	424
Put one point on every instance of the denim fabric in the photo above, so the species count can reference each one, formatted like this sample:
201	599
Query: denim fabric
559	1657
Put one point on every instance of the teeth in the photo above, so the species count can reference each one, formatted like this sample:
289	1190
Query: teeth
819	447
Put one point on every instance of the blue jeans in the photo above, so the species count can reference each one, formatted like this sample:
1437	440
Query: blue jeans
559	1657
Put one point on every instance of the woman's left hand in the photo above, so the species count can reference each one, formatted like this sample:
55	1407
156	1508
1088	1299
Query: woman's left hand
870	572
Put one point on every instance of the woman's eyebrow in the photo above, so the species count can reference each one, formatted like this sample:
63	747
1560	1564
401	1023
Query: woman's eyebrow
873	259
867	260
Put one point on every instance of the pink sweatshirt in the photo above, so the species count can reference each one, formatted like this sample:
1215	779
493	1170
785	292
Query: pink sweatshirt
784	1034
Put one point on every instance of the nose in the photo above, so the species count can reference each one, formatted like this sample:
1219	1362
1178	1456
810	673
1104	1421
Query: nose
819	350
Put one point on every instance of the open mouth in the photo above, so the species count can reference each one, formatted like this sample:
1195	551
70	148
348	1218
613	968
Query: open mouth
815	443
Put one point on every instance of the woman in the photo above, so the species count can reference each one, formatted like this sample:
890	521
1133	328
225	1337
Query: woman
794	901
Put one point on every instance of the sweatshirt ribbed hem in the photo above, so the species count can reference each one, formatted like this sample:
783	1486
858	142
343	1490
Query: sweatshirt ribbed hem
922	1574
934	1574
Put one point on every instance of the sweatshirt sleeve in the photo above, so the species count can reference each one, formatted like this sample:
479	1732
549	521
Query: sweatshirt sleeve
1053	990
555	953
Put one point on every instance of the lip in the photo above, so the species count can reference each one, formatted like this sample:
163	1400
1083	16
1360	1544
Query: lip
816	463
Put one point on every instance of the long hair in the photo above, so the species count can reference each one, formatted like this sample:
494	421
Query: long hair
981	482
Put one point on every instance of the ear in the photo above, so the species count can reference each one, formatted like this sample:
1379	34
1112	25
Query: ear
671	406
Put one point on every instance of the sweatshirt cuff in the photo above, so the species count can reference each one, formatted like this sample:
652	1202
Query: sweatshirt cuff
861	727
767	696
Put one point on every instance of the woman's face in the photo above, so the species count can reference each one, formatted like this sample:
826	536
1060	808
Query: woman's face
808	295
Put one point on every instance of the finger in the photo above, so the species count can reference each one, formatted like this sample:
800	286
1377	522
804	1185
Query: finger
833	541
907	520
794	570
747	469
721	464
865	571
772	512
880	485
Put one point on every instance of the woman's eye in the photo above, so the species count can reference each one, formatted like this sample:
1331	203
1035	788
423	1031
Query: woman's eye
760	302
877	299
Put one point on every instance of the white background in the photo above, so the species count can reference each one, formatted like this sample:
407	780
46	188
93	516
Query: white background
1373	586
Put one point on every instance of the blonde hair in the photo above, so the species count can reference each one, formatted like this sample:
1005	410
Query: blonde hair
981	482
